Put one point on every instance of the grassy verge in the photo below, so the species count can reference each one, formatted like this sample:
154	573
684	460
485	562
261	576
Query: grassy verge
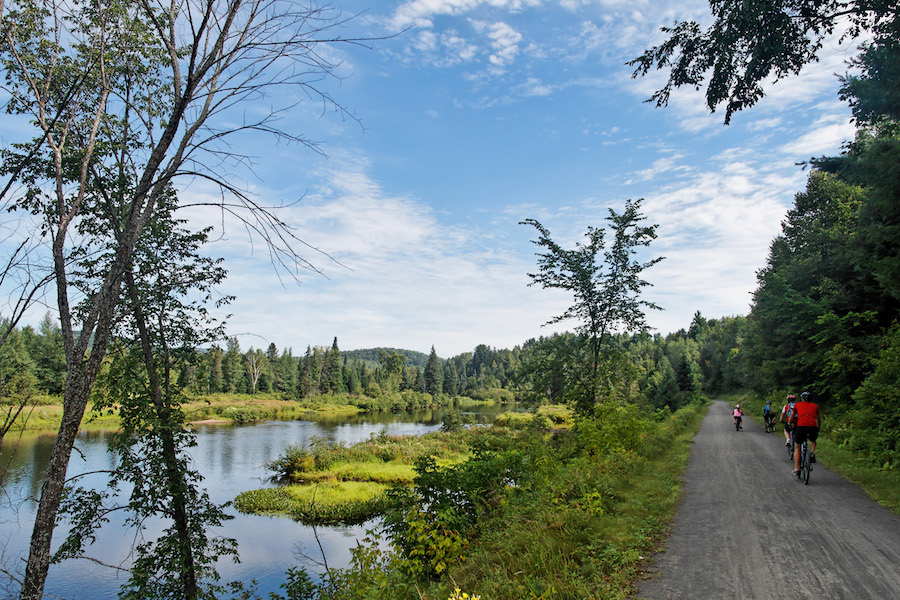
882	485
570	514
599	517
46	412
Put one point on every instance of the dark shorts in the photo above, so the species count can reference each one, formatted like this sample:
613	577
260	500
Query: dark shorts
801	434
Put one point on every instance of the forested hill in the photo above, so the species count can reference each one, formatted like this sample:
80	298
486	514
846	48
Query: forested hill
371	356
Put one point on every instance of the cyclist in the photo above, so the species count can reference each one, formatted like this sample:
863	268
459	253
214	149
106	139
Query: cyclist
768	417
786	418
808	421
737	413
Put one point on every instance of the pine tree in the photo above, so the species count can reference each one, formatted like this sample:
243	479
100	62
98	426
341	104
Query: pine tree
331	380
434	375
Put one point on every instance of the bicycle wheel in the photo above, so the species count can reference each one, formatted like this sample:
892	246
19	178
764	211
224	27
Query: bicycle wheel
807	468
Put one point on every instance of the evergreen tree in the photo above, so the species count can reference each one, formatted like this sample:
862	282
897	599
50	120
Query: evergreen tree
232	370
332	381
286	373
307	378
17	379
351	378
450	380
49	356
434	375
216	375
664	392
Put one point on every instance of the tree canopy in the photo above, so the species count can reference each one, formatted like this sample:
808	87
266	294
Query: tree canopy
751	43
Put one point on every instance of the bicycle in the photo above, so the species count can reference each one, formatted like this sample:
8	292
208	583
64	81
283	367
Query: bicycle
770	422
737	424
791	446
805	465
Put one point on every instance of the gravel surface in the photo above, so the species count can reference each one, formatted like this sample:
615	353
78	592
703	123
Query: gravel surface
747	529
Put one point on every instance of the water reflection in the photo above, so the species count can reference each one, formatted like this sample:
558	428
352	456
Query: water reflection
231	459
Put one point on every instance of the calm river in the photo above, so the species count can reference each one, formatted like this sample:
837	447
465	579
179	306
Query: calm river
231	460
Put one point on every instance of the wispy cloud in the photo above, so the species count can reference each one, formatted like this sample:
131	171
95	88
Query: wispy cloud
410	279
421	13
826	134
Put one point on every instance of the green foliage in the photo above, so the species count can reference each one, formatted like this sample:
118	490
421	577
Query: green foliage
434	375
453	420
872	429
299	586
371	574
606	294
541	418
428	543
750	43
17	380
600	495
810	295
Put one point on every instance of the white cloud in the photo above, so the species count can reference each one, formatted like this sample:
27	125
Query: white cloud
660	166
535	87
826	136
504	42
421	13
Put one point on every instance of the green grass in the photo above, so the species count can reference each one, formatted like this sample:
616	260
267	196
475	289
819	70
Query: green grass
383	472
543	417
335	492
335	502
599	518
352	478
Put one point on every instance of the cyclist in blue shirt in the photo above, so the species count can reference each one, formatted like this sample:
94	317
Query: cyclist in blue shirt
768	417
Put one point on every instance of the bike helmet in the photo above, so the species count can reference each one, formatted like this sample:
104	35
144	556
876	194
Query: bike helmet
804	396
768	402
791	397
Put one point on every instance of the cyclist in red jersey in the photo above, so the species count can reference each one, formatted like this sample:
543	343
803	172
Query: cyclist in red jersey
807	419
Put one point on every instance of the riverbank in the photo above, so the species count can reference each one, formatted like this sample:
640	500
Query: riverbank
43	414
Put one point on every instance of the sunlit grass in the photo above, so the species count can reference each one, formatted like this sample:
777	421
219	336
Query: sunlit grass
337	483
335	502
384	472
336	492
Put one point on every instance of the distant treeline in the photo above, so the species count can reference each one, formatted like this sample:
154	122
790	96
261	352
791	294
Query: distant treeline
666	371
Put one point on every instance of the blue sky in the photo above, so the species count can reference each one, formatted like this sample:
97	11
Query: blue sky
478	114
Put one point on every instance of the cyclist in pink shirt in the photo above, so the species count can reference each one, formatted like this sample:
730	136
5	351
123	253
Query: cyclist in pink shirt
737	413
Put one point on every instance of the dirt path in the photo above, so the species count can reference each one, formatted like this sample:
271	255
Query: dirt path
748	529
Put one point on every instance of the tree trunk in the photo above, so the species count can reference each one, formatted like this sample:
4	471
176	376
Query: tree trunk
45	520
